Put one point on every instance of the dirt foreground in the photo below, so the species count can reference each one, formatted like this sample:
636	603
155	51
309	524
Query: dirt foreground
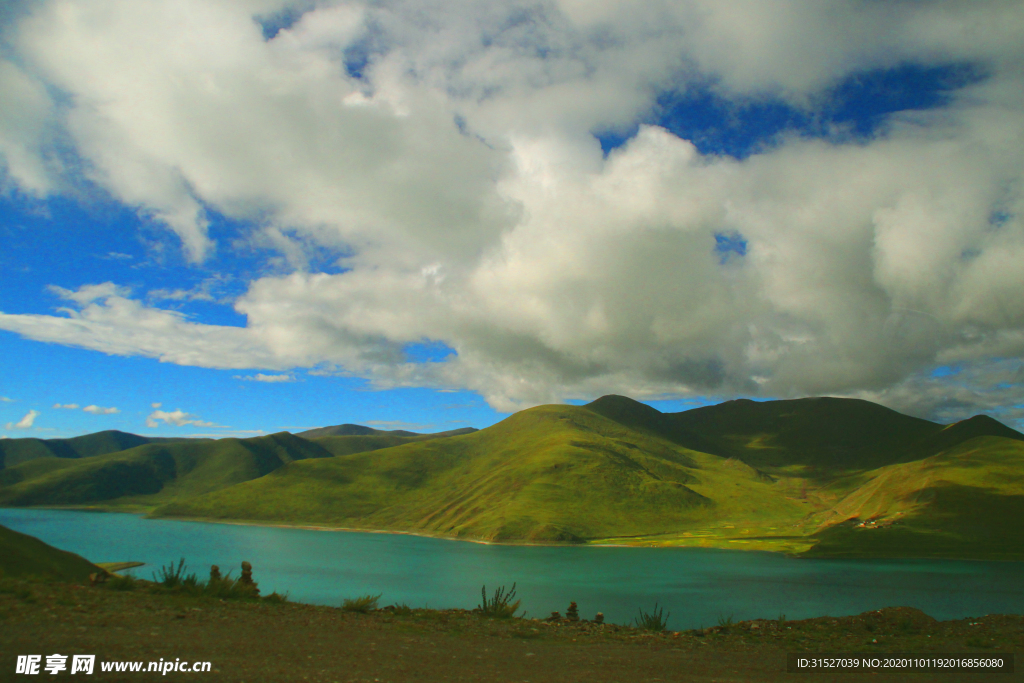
263	641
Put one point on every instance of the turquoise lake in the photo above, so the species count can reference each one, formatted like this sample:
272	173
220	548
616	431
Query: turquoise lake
696	586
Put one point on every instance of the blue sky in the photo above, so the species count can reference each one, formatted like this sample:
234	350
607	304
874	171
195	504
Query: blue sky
267	216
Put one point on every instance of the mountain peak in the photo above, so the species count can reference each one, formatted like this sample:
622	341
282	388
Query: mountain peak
625	410
341	430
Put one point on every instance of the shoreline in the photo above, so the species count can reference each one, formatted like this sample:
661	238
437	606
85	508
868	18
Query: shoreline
553	544
316	527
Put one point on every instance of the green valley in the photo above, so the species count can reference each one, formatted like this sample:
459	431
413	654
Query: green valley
813	477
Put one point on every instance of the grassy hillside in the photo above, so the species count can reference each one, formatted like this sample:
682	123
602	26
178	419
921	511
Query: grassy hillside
964	502
557	473
16	451
826	435
835	477
155	473
785	475
152	473
23	555
348	444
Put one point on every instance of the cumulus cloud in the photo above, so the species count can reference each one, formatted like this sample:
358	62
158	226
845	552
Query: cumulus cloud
207	290
105	319
97	410
25	422
260	377
446	153
66	406
176	418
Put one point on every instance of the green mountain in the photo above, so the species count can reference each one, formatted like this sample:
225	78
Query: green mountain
966	501
350	430
360	430
152	472
820	433
160	470
24	555
16	451
798	476
551	473
822	477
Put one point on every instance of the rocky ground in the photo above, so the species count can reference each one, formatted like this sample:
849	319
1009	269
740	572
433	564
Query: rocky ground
263	641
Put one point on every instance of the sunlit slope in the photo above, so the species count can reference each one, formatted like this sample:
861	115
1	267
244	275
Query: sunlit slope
16	451
151	473
616	471
346	444
833	477
965	502
552	473
24	555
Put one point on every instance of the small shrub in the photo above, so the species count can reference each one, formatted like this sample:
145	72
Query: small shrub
362	605
655	621
782	620
501	604
276	597
725	622
175	577
402	610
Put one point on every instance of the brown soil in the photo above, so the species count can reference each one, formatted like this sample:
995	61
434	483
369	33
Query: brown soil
262	641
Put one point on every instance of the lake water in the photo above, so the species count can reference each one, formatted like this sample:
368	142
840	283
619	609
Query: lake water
696	586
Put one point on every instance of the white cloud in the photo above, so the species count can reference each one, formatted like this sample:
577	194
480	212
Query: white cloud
25	422
176	418
204	291
260	377
4	399
25	122
107	321
97	410
157	405
552	271
66	406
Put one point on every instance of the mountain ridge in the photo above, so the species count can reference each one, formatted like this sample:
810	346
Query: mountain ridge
822	476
